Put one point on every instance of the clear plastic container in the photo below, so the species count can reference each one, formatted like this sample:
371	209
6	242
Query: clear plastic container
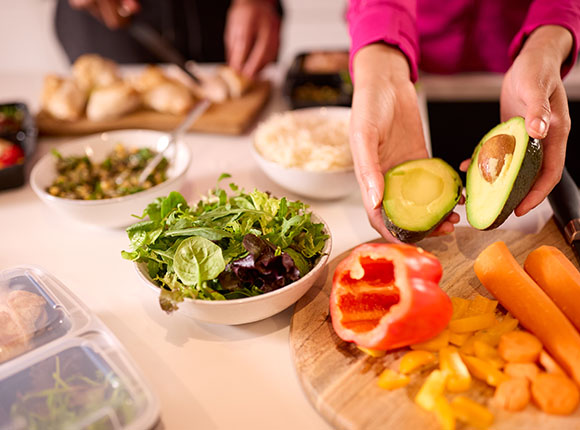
60	367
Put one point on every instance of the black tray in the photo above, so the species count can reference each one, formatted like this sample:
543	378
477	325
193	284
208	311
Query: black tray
25	137
327	89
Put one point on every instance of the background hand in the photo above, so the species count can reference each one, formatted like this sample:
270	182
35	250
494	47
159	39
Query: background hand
386	127
252	35
532	88
113	13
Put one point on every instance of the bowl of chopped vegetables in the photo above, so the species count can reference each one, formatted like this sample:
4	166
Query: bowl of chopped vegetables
95	179
230	258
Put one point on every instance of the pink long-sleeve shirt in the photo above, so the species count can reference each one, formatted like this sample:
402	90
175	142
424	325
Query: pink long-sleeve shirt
451	36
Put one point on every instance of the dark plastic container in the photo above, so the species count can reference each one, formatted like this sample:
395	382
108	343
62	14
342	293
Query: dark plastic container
329	86
17	125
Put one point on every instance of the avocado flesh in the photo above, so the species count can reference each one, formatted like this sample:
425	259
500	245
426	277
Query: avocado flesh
418	196
489	204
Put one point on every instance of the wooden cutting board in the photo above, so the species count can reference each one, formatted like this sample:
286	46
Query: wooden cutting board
341	381
233	116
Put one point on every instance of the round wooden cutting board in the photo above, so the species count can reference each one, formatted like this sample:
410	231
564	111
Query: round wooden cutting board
341	381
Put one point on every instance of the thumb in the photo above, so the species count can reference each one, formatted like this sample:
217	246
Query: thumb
538	114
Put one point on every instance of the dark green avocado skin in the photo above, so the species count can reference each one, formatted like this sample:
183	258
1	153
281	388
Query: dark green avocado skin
410	236
528	173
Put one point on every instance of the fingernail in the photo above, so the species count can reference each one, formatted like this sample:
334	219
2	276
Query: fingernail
540	126
375	199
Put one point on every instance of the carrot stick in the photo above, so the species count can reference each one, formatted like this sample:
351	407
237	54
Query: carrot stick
558	277
507	281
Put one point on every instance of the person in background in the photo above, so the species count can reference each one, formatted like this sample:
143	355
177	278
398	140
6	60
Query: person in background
534	42
246	33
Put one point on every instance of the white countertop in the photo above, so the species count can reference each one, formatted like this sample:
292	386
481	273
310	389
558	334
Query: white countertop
206	376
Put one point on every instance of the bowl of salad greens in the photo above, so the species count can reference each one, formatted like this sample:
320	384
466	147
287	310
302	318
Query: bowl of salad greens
94	179
234	257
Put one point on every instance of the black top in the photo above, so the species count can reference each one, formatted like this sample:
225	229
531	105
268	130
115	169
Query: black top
194	27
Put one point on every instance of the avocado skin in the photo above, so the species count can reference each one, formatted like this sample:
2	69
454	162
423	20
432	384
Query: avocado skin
409	236
527	174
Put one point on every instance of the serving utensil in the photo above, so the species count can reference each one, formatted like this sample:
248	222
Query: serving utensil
565	202
168	140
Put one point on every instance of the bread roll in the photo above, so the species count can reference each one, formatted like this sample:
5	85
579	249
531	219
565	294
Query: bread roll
112	101
62	98
91	71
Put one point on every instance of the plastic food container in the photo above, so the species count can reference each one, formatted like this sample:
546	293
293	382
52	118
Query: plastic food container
17	127
60	367
319	78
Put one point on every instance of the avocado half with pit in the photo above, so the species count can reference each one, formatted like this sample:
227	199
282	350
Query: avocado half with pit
418	196
503	168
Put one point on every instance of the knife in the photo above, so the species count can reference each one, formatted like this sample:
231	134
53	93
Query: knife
565	202
151	39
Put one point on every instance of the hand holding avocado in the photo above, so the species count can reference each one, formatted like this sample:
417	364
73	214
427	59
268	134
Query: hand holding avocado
386	128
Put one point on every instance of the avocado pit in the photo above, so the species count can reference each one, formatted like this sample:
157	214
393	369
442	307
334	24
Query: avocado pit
493	155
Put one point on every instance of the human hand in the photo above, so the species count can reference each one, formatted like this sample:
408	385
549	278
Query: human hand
532	88
385	126
252	35
113	13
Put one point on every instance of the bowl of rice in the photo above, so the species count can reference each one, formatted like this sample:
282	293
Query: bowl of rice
306	151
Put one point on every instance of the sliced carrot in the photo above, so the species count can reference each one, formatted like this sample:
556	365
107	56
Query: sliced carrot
548	363
519	347
522	370
507	281
558	277
555	394
513	394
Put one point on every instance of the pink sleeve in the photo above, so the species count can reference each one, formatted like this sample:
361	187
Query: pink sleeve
389	21
565	13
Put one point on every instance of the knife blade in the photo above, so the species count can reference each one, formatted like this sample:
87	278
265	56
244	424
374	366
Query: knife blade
150	38
565	202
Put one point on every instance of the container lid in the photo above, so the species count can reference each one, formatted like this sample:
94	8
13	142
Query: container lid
62	368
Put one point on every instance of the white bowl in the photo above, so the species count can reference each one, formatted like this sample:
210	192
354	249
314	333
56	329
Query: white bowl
116	212
321	185
249	309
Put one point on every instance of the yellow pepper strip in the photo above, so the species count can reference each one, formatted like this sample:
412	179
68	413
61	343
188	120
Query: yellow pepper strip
458	339
450	361
435	344
488	353
481	305
471	412
492	334
433	387
473	323
483	370
414	360
444	413
372	352
460	307
391	380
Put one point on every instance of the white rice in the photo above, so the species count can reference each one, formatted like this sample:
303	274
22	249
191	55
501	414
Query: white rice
303	141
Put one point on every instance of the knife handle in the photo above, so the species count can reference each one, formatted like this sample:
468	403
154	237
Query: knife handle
565	202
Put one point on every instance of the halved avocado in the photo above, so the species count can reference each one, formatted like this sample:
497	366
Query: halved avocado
503	168
419	194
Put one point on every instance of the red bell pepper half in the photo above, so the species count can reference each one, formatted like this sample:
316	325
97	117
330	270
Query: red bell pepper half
387	296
